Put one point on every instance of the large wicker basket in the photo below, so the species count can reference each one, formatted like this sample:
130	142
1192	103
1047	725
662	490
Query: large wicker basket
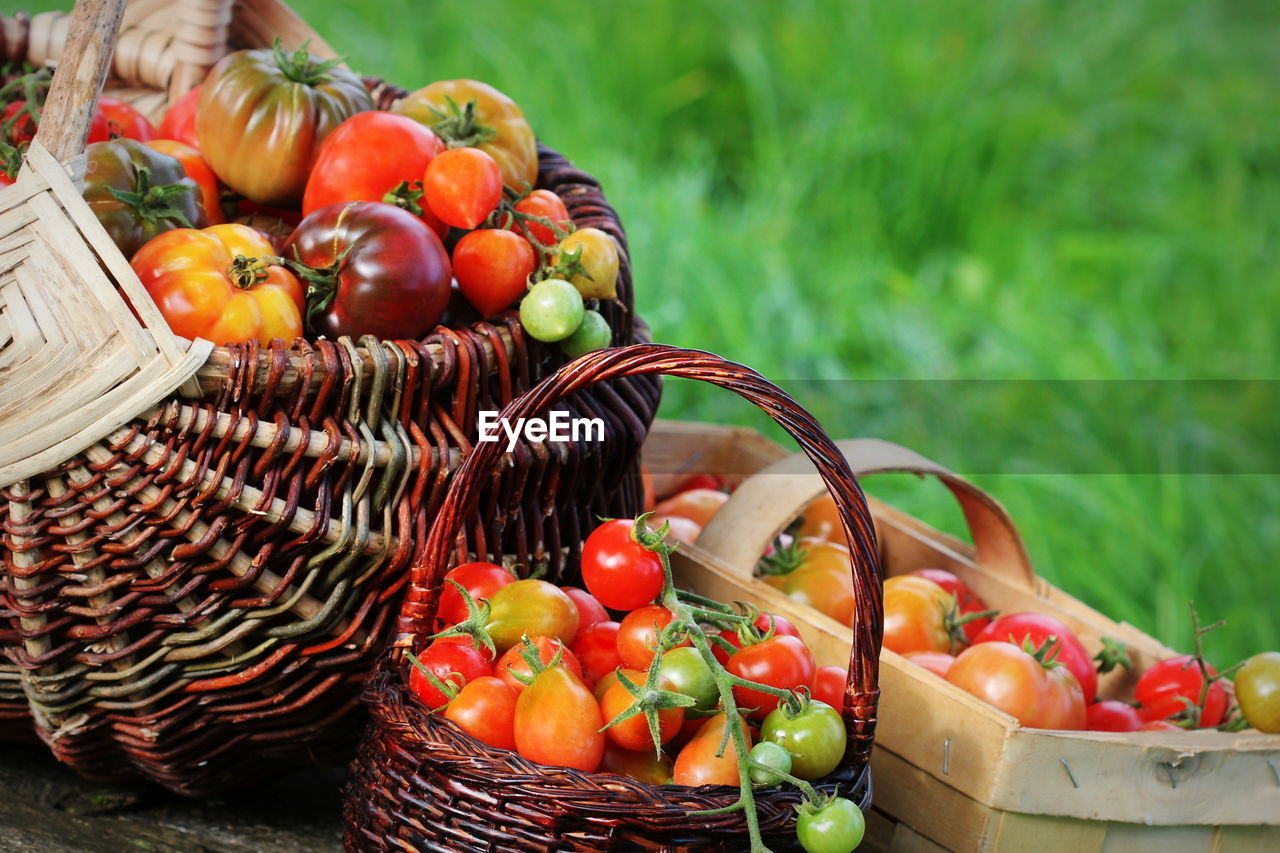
204	547
421	783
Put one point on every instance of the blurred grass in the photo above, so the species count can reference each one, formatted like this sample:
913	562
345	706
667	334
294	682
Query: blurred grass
1000	189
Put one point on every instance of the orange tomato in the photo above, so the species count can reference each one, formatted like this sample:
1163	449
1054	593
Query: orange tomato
915	615
939	663
697	763
558	722
1014	681
633	733
642	766
824	580
213	284
698	505
821	520
197	170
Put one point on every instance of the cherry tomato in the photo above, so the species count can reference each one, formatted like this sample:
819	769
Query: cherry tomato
681	529
1258	691
513	664
939	663
596	648
1109	715
23	128
686	672
836	827
642	766
633	732
1162	689
1012	680
534	608
775	759
552	310
593	333
695	504
783	662
766	621
611	678
1018	628
620	572
915	615
968	602
548	205
480	580
824	581
558	722
450	663
590	610
638	635
180	121
815	737
829	684
697	763
197	170
124	120
485	708
596	267
462	186
493	268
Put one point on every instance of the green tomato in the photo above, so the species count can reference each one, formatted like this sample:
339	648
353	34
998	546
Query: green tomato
690	675
836	827
552	310
593	334
774	758
815	737
1258	691
532	607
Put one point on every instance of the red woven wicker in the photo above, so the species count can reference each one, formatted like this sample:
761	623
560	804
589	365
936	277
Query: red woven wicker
421	783
196	598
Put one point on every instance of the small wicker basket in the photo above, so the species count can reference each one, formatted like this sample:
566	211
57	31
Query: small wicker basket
204	547
421	783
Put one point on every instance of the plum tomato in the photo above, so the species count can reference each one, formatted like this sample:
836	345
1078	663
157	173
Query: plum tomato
531	608
462	186
782	662
492	268
558	722
697	763
620	572
593	256
512	666
485	708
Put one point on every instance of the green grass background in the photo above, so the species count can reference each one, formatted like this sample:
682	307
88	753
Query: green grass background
1000	189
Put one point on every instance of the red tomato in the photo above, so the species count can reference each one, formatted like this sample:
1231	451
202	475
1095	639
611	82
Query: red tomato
1159	726
462	186
197	170
828	685
1017	628
633	733
548	205
124	120
1111	716
596	648
512	663
180	121
781	626
590	611
1162	688
24	129
697	763
609	679
783	662
1012	680
493	268
704	481
915	615
558	722
638	635
695	504
939	663
450	663
620	572
480	580
486	709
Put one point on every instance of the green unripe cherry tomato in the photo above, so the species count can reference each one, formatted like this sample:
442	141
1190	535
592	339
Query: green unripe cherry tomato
593	334
773	757
815	738
1258	691
552	310
837	827
689	674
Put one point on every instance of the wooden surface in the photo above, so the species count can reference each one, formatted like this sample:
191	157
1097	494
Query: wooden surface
48	809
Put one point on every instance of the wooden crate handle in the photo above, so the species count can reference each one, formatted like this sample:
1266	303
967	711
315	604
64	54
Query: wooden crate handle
73	95
767	502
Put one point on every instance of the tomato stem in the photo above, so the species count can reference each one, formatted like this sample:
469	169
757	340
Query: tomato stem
1114	653
246	272
301	66
460	127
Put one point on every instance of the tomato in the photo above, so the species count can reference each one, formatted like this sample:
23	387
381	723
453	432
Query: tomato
180	121
596	647
765	622
480	580
939	663
1012	680
1162	689
378	271
638	635
590	610
274	229
450	663
493	268
263	115
593	257
558	722
513	664
197	170
593	333
684	671
633	732
532	607
697	763
547	205
1160	726
815	737
695	504
123	120
1018	628
829	684
775	759
609	679
824	580
476	107
620	572
784	662
1258	691
642	766
552	310
1109	715
821	520
704	481
462	186
17	120
136	192
915	615
834	827
968	602
373	156
215	284
485	708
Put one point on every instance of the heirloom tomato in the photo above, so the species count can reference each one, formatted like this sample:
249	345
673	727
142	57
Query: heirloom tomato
180	121
197	170
218	284
546	205
620	572
698	764
493	268
376	270
633	732
1173	685
512	668
451	664
782	662
638	635
137	192
263	115
1036	628
123	120
916	615
696	504
531	608
1111	716
462	186
471	113
485	708
558	722
1014	680
1258	691
593	256
274	229
814	735
480	580
596	648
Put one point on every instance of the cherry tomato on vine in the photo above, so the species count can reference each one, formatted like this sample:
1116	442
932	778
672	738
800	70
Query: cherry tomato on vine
697	763
462	186
834	827
815	737
782	662
1111	716
180	121
1172	685
450	663
609	679
512	664
590	610
485	708
1018	628
939	663
123	119
775	759
633	732
493	268
915	615
534	608
596	272
558	722
686	672
638	634
1258	691
621	573
596	648
480	580
695	504
552	310
828	685
548	205
780	625
1014	681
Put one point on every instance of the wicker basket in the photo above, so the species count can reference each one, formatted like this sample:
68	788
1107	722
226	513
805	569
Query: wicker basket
204	547
421	783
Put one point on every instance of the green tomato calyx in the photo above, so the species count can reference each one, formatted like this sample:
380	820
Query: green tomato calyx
301	66
153	203
460	127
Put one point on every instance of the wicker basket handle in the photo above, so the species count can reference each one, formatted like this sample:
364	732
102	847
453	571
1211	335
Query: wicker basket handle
418	611
73	95
768	501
